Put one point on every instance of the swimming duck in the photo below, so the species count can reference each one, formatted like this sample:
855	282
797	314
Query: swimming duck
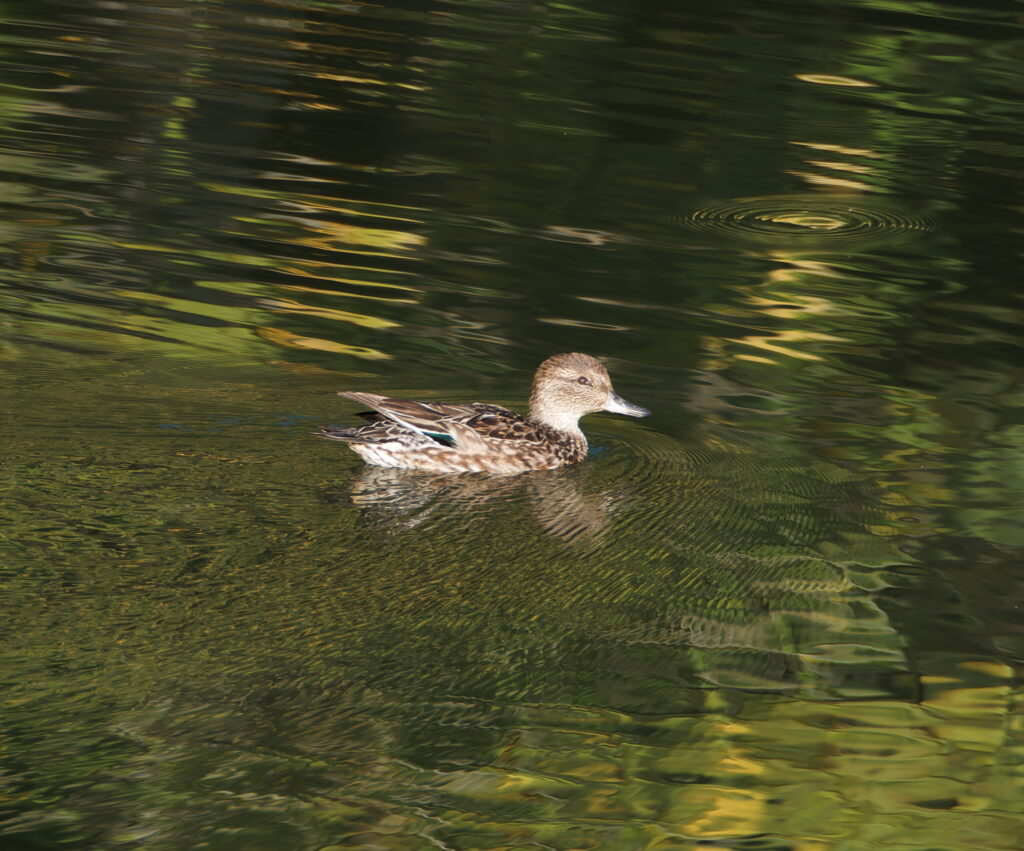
482	438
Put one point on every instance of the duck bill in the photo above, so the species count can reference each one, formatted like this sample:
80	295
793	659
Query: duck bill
617	405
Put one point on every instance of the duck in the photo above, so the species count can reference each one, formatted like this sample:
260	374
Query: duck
479	437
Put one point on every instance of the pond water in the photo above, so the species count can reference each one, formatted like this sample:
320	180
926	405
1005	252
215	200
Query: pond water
784	612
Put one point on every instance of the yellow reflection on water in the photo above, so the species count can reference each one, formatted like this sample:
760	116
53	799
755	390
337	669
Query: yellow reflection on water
792	307
346	293
580	323
839	149
333	232
320	202
838	166
778	297
725	812
808	220
834	80
796	268
282	305
828	180
783	342
296	341
367	81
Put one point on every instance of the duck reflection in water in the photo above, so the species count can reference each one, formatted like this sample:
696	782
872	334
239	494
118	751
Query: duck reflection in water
407	499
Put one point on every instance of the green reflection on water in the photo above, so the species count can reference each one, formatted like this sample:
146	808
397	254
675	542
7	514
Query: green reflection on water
782	613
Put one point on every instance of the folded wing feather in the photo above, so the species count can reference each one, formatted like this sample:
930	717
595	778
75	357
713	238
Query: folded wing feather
466	424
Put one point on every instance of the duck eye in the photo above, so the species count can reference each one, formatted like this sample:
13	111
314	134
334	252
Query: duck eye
583	380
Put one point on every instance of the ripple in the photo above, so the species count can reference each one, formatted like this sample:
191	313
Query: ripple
806	218
725	496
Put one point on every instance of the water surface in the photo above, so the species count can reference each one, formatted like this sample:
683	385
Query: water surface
785	612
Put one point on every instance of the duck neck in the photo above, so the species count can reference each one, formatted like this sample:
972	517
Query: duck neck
563	421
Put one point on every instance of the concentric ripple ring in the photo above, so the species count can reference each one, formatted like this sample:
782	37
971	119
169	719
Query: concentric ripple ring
805	217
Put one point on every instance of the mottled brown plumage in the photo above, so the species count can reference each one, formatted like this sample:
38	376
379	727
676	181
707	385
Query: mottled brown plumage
478	437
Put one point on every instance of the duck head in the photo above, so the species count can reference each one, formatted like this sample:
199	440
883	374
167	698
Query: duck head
568	386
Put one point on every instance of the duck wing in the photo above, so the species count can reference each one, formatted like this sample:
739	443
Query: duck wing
447	420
